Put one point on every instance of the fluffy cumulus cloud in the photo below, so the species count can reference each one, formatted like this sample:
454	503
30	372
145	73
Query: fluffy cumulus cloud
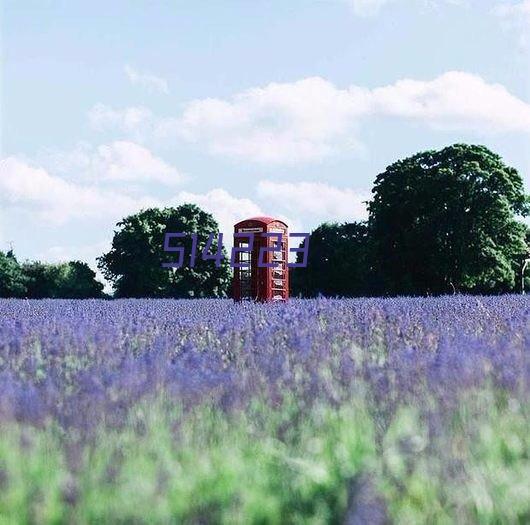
454	100
315	201
298	121
58	200
126	161
290	122
226	208
55	200
311	119
119	162
147	80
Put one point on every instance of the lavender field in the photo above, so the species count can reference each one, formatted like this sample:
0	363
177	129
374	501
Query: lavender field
314	411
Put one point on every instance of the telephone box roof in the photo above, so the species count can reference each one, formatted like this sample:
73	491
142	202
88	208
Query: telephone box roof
263	220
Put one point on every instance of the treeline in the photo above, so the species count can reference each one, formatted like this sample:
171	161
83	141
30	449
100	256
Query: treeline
37	280
439	222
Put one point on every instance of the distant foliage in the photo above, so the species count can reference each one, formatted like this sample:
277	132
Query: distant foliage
446	221
70	280
134	263
338	262
12	278
36	280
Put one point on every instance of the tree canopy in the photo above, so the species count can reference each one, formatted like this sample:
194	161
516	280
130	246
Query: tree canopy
338	262
36	280
134	263
69	280
443	221
12	278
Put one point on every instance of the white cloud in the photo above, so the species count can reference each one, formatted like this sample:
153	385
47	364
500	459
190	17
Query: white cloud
280	123
455	100
119	161
292	122
128	120
49	198
516	17
315	201
58	201
311	119
147	80
126	161
225	208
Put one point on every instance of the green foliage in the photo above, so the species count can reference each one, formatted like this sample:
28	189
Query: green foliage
272	465
338	262
71	280
134	263
210	468
444	221
31	477
473	470
43	279
79	282
12	279
36	280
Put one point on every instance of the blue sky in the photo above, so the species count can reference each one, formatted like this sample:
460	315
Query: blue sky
288	108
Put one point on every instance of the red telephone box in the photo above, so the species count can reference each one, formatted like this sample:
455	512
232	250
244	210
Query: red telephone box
256	281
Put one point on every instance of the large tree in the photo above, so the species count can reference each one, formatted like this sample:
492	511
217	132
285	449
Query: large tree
134	263
12	278
337	262
446	220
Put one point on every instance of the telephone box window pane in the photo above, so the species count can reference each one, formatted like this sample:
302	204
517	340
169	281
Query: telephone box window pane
245	274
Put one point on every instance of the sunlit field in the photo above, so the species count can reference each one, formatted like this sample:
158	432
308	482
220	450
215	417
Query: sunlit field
313	411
